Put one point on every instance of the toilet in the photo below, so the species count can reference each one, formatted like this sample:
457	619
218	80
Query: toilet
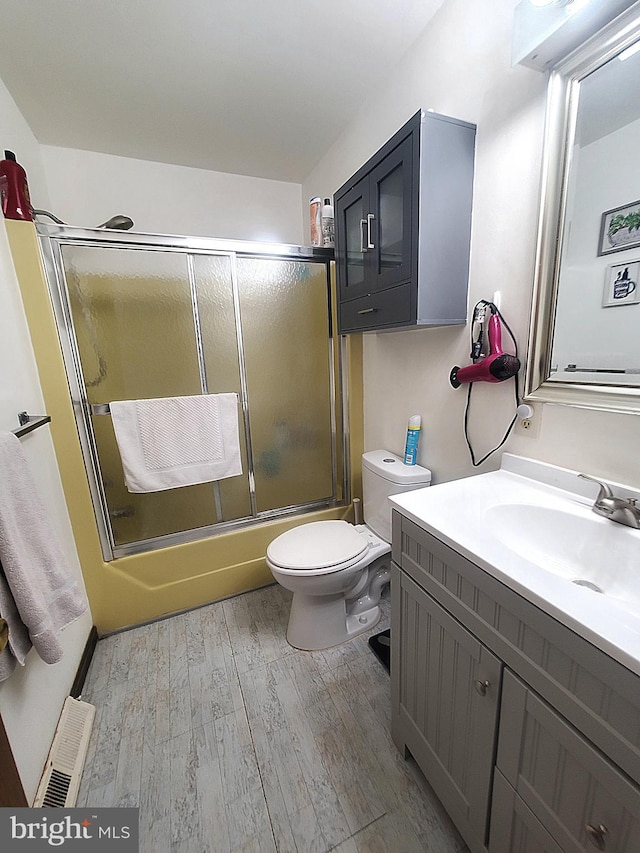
336	570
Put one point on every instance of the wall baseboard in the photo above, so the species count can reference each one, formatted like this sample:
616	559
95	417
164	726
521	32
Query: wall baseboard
85	662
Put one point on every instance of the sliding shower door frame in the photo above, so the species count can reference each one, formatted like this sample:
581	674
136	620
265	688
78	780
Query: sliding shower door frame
52	240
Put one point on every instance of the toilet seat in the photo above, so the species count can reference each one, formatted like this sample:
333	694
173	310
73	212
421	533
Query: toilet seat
317	548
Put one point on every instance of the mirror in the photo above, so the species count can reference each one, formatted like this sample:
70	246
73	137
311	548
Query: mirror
584	344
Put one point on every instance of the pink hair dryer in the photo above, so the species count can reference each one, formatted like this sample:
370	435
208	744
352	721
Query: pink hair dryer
495	367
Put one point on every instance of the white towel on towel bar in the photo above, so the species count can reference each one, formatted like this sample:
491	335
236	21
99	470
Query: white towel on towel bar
38	594
171	442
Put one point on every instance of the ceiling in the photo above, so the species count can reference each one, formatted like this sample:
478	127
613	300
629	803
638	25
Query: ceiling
251	87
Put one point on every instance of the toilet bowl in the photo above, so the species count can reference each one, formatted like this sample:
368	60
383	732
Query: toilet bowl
337	570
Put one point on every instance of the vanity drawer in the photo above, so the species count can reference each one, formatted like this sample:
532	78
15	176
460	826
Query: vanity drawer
392	307
594	692
582	799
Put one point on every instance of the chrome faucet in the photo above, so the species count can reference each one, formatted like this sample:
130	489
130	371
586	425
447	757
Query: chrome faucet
623	510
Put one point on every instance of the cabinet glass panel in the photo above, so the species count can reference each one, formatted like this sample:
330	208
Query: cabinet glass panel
354	216
391	220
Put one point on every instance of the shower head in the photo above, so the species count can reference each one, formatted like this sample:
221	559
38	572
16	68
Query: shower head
119	222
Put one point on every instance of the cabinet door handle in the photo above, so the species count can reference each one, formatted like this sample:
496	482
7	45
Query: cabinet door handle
482	686
597	835
370	243
363	223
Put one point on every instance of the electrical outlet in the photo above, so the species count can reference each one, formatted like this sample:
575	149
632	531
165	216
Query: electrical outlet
529	426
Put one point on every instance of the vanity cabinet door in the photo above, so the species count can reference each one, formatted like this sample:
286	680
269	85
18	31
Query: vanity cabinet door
514	827
446	690
582	799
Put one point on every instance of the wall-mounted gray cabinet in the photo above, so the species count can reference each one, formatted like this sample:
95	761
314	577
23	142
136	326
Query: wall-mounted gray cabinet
475	665
403	226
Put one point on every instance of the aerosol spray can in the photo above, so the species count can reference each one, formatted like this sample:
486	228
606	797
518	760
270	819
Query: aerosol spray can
413	435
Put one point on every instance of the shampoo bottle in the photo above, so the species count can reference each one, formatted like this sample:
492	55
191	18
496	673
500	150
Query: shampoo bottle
328	228
413	434
14	191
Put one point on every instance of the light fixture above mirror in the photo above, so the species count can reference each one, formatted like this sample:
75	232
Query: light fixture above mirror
545	31
572	6
540	3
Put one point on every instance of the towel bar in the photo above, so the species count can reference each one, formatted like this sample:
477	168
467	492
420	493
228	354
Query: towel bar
29	422
100	409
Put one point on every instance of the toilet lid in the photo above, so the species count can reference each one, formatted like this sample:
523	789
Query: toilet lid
318	545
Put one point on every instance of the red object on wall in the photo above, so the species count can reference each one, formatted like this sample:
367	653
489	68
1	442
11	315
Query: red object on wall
14	190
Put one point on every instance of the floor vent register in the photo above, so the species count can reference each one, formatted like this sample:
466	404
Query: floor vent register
62	773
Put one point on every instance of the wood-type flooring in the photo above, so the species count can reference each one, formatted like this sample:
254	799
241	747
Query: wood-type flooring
229	740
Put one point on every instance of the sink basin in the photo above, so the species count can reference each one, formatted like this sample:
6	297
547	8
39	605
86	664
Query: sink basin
532	527
578	546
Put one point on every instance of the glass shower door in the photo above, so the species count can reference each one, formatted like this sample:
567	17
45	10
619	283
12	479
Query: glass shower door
169	321
287	355
220	337
136	337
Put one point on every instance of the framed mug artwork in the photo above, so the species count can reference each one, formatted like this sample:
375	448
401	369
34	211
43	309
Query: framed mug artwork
621	284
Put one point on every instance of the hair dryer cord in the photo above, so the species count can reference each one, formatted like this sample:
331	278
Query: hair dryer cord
516	389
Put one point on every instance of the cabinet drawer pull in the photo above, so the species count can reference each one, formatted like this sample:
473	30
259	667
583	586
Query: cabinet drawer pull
368	311
596	835
481	687
370	243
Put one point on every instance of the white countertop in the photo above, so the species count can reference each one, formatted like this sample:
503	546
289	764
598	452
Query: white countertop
529	525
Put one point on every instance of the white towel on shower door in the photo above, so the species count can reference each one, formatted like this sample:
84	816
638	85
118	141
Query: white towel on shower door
170	442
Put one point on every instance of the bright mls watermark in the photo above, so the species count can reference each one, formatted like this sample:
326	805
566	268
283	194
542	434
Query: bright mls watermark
87	830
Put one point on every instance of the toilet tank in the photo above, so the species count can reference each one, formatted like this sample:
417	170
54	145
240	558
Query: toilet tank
385	474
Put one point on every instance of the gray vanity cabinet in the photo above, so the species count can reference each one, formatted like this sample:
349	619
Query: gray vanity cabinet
453	738
552	748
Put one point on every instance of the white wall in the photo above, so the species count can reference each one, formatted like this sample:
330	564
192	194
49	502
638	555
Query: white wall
31	698
88	188
461	66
